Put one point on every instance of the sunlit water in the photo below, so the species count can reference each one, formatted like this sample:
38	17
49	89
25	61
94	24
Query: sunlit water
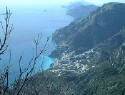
29	21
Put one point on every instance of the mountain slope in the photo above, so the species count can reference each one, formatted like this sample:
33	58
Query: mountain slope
85	34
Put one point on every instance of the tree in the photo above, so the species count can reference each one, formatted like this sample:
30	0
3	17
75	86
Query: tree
24	74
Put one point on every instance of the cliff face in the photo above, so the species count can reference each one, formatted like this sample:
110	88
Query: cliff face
79	43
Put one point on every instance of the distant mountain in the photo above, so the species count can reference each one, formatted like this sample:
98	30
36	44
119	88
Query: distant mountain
79	10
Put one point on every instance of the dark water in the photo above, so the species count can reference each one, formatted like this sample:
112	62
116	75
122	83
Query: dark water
29	21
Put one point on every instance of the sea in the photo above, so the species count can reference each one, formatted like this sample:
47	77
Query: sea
28	22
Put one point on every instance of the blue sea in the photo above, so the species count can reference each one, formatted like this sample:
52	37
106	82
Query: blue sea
29	21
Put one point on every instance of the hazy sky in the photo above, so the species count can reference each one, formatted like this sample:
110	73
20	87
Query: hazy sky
34	1
97	2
